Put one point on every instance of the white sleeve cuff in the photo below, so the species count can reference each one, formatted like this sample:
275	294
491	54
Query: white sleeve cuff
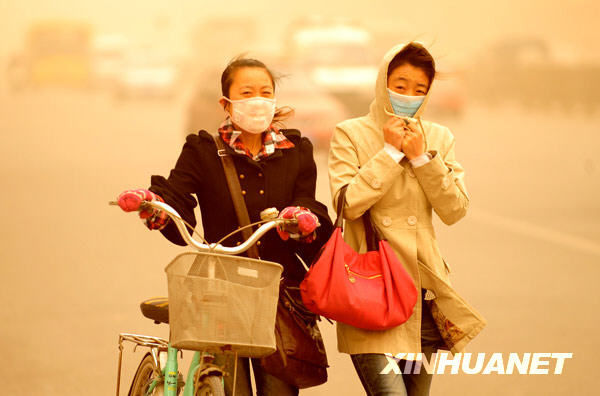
420	160
393	152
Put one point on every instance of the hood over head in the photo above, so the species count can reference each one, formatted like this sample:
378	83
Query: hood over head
382	100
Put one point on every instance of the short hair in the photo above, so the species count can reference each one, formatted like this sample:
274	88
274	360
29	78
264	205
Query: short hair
416	55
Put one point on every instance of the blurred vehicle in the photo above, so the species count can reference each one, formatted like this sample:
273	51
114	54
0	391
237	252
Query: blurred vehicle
448	97
316	111
147	73
203	109
108	53
229	37
224	43
337	56
527	72
56	53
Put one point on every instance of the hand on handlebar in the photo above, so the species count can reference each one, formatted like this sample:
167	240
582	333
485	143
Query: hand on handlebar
183	227
304	230
132	200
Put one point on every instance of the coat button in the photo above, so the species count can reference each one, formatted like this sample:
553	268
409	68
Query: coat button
376	183
445	183
261	192
260	174
411	173
386	221
243	192
258	243
412	220
238	243
242	176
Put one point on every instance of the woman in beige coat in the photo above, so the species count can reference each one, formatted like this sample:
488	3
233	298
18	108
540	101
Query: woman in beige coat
400	167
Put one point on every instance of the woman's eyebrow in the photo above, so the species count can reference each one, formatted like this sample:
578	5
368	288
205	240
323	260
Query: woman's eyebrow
252	86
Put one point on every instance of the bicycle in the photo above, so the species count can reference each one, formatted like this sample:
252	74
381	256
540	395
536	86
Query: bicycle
158	372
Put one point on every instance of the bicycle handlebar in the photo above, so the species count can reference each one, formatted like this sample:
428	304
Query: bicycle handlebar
213	247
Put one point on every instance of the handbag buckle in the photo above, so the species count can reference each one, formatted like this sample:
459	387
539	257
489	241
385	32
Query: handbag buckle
221	152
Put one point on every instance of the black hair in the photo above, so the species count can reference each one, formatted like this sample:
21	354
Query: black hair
239	63
416	55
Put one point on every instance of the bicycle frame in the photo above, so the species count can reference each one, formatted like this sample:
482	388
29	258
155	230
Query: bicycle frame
169	374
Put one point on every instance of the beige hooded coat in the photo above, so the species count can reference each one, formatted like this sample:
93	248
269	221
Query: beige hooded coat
401	199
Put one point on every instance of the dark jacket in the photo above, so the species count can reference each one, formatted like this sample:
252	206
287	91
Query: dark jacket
285	178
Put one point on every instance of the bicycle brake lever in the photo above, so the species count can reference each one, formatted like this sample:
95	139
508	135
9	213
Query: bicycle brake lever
144	206
269	214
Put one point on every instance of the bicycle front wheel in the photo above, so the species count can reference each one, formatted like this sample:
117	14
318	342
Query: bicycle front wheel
211	385
143	378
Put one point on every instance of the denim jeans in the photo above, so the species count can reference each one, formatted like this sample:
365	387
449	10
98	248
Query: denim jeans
369	366
266	384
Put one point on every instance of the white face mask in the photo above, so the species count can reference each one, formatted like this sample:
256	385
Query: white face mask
253	115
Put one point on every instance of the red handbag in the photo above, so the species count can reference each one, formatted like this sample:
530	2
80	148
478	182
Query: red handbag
371	291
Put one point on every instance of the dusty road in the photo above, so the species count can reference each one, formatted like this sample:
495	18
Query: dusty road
74	269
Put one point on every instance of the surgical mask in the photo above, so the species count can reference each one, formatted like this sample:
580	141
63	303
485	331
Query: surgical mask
254	114
405	105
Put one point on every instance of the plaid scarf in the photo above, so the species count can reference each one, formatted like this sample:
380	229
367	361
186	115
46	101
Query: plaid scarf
272	139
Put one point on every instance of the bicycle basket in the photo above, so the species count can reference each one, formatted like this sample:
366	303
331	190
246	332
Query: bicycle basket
220	302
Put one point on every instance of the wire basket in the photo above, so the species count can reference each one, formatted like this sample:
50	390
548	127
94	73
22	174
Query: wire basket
223	303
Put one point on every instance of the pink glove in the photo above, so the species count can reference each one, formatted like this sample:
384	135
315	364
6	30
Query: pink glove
307	224
131	200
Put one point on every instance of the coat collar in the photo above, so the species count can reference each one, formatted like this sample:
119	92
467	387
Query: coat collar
243	157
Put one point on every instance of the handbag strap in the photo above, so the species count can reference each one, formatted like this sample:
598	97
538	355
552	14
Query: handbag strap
236	193
339	221
372	234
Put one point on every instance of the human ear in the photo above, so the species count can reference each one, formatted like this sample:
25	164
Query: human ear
224	104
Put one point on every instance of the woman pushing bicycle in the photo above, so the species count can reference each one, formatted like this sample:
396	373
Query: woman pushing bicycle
274	168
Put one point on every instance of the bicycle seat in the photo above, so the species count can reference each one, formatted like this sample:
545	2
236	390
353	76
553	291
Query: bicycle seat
157	309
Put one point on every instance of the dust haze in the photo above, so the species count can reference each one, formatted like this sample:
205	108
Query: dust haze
97	96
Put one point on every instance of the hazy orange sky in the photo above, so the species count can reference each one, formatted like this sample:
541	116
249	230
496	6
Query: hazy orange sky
75	269
458	27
